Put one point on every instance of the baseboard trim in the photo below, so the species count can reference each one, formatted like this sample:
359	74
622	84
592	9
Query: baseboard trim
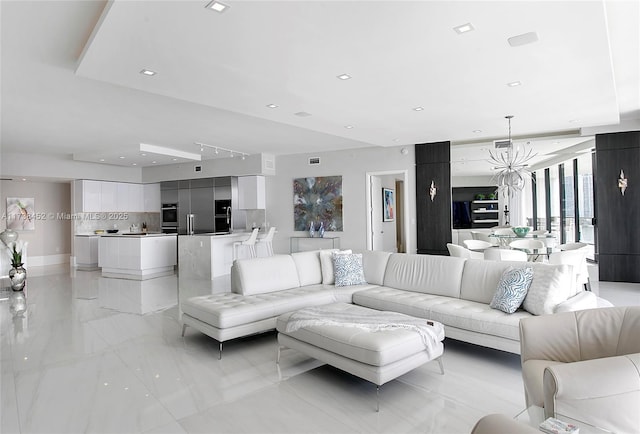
41	261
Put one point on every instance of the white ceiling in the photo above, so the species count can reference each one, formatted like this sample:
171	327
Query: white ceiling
71	81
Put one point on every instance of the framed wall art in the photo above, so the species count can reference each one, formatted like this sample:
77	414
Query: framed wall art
317	200
388	205
20	213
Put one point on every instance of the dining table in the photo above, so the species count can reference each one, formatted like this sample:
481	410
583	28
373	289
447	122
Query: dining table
533	255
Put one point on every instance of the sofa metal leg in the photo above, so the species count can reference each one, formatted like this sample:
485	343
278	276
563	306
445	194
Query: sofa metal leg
280	347
184	327
219	350
439	359
377	399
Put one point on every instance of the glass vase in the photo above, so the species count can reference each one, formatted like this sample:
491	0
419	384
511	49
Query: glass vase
18	277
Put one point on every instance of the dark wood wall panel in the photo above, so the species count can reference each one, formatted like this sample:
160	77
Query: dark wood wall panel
433	217
618	216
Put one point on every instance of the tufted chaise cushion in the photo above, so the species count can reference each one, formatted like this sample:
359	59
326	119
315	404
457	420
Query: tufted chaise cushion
230	309
452	312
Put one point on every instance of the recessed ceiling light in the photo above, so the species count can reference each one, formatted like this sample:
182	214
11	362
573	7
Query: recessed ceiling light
418	109
174	159
134	164
573	121
24	179
464	28
272	106
148	72
144	155
348	126
477	131
102	159
303	114
344	76
121	157
514	84
153	162
215	5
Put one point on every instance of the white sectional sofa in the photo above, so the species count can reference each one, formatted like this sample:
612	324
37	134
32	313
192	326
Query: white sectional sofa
453	291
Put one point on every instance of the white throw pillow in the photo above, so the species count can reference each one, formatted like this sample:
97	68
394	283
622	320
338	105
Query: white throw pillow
512	289
326	263
348	269
550	287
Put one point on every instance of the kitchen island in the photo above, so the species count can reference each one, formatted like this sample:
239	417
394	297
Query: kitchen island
137	256
206	256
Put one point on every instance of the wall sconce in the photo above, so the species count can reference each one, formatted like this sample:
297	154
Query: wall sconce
622	182
432	191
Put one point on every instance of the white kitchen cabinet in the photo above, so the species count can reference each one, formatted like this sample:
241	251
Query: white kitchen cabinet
109	196
130	197
87	196
137	257
122	203
86	252
151	195
251	192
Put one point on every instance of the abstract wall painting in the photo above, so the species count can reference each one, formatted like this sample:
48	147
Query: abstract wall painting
388	205
317	200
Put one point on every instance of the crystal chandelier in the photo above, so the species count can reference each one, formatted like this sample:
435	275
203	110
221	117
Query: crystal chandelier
511	166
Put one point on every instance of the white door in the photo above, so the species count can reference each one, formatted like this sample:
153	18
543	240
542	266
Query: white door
377	233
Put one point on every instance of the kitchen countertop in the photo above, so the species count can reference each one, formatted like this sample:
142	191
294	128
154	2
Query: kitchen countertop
127	234
219	234
138	234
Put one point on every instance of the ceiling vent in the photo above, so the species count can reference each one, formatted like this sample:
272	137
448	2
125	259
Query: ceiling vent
269	164
197	168
314	160
500	144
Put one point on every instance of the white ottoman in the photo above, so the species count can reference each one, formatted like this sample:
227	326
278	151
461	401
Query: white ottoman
376	356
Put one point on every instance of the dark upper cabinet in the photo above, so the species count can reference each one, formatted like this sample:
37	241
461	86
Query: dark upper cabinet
433	217
618	215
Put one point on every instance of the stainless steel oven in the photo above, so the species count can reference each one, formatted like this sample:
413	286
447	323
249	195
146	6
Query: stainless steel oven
169	215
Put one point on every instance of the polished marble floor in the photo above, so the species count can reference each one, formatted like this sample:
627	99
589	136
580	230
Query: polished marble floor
85	354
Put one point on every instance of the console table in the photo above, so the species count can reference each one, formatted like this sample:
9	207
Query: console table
304	244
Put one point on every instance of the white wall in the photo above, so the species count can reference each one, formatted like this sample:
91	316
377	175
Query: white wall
50	242
352	165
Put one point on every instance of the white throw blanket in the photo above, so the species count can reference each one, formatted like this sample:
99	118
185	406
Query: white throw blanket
431	332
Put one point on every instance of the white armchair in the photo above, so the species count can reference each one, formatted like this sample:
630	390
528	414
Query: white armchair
585	365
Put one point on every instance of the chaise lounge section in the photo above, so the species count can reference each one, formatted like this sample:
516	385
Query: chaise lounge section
453	291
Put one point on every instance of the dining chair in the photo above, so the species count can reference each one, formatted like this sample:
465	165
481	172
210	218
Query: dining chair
539	232
572	246
530	245
576	257
250	243
483	236
477	245
462	252
496	254
503	231
267	242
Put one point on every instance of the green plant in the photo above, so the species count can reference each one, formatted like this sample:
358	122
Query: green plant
15	252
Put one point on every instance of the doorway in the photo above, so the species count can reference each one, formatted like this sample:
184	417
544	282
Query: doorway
387	211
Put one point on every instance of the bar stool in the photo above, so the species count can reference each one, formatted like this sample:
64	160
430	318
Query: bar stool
267	242
249	242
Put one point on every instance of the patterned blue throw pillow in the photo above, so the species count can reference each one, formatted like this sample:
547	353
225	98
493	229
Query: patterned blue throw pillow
348	269
512	289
